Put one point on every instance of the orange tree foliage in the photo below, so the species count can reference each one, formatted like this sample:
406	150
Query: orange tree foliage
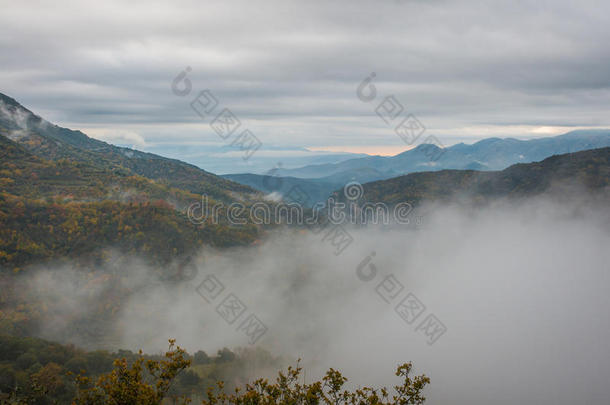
145	382
287	391
34	371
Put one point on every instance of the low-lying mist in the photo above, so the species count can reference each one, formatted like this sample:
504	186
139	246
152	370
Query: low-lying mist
521	288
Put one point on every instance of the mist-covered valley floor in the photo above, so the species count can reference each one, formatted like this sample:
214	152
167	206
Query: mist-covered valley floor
508	302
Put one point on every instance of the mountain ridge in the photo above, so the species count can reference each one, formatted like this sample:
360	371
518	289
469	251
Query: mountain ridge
484	155
65	195
490	153
589	169
50	141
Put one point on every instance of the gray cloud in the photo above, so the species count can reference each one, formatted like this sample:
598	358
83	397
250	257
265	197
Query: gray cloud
290	69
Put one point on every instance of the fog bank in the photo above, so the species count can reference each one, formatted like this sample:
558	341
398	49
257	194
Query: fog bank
521	288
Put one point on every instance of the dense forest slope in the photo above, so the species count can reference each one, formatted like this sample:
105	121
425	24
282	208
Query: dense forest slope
51	209
52	142
63	194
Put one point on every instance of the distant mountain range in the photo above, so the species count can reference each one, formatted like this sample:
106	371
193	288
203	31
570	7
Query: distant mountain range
227	159
569	173
488	154
288	188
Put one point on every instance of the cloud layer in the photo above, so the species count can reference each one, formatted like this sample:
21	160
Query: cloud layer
289	70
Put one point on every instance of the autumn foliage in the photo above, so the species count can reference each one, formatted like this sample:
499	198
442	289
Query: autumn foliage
148	381
144	382
286	391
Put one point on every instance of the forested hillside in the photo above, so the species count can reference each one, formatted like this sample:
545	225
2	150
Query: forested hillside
586	170
63	194
51	209
52	142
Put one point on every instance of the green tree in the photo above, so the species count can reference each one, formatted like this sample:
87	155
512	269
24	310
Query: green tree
76	364
201	357
7	378
25	360
225	355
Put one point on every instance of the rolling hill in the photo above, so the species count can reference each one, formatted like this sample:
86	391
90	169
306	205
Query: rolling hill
586	171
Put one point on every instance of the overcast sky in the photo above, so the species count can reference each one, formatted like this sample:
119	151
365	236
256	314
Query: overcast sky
289	70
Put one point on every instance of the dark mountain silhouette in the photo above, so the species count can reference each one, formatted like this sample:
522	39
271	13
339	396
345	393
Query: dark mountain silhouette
587	170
